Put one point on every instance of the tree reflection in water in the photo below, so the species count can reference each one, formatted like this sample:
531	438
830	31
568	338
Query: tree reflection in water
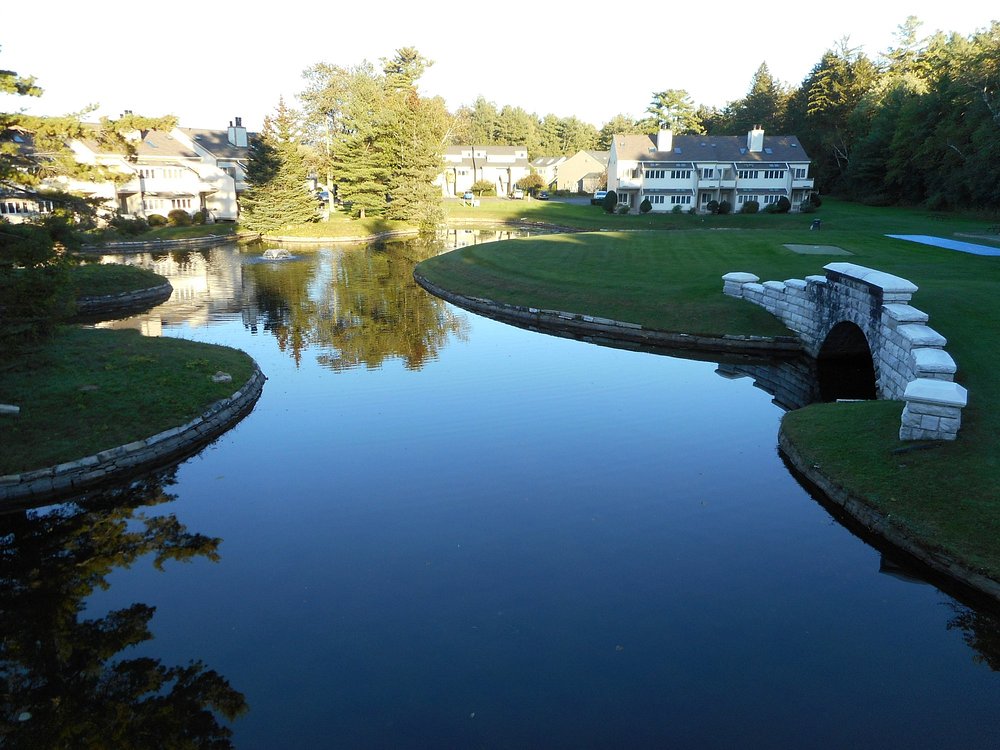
356	306
61	680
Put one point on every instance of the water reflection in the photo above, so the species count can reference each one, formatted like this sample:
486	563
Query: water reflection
354	306
64	681
351	306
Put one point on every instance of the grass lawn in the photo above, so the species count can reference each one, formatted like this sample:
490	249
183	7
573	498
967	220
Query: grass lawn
342	225
946	496
98	279
87	390
170	233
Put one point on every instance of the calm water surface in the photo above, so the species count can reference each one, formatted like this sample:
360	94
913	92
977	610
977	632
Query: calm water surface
439	531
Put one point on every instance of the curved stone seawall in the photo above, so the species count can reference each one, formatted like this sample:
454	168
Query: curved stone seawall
142	246
908	355
557	320
138	456
882	526
112	303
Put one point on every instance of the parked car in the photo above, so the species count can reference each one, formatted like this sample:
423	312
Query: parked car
598	197
518	194
468	196
543	196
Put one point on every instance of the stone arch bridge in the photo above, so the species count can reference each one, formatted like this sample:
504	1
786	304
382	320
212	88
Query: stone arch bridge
853	308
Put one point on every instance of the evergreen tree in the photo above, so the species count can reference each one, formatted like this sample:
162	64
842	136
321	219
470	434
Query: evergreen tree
276	193
617	125
673	109
764	104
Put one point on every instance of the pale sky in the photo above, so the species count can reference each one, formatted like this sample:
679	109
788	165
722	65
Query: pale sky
207	63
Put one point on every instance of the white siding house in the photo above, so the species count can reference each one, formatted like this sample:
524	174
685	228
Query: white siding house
502	166
690	171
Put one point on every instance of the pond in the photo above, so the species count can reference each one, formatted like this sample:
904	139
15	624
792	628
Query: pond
437	530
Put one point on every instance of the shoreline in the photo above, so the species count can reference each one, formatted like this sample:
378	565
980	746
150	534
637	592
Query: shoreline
936	562
114	464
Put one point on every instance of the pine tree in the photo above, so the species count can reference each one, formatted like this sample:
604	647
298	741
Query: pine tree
276	193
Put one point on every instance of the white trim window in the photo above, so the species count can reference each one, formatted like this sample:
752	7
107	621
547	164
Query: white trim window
655	174
708	173
741	199
749	174
624	199
680	200
656	200
801	172
680	174
774	174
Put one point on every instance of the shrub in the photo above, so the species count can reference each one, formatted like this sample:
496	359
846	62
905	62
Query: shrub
806	207
780	206
645	207
677	209
610	202
725	207
815	199
532	182
712	207
179	218
156	220
693	211
750	207
128	225
198	218
622	209
483	187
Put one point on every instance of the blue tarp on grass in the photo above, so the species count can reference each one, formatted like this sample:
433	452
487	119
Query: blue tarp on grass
962	247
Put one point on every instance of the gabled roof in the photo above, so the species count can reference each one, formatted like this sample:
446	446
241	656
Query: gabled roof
216	142
152	143
718	148
547	161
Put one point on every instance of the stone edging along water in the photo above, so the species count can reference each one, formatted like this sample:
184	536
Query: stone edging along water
854	506
141	246
136	299
557	320
883	527
136	456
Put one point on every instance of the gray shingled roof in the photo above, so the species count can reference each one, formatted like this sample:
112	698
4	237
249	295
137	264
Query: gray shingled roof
724	148
216	142
154	143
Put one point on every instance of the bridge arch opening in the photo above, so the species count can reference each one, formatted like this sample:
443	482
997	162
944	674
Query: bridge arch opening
844	365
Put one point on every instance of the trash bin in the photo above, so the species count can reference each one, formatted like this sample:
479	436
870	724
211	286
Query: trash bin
816	224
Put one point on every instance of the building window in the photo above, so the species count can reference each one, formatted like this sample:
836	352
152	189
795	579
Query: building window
680	200
655	174
747	198
656	200
769	199
774	174
749	174
800	173
180	203
680	174
623	199
708	173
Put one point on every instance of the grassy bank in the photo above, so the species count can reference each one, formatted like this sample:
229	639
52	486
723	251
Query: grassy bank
947	496
98	279
341	226
87	390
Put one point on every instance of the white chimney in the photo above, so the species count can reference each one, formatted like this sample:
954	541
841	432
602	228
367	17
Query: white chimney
755	139
665	140
237	134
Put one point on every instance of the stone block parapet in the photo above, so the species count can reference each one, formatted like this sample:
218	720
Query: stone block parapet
904	348
933	410
137	456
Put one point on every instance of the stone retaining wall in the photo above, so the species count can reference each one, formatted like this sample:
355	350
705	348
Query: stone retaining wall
558	321
143	246
138	299
137	456
908	355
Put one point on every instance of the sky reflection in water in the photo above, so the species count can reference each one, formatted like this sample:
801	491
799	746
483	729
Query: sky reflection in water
442	531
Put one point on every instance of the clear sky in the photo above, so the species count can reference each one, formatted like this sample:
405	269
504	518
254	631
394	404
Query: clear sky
209	62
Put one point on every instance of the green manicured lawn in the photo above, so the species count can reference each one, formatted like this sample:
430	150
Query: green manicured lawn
947	495
169	233
98	279
88	390
341	225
